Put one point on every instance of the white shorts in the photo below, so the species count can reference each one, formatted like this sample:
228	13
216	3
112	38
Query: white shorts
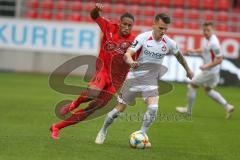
128	93
206	79
141	82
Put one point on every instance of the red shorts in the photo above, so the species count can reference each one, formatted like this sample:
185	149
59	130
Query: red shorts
102	81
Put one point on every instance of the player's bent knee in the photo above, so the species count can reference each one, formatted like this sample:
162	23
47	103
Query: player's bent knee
120	107
207	89
151	100
192	85
209	92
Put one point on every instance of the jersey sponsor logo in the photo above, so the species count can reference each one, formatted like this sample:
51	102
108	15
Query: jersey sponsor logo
153	54
121	48
109	46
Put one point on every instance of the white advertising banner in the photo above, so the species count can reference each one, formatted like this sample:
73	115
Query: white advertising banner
54	37
177	73
83	38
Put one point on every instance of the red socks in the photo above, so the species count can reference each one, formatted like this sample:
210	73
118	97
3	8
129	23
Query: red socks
75	118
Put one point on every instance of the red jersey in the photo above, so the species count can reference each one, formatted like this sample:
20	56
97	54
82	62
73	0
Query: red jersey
113	47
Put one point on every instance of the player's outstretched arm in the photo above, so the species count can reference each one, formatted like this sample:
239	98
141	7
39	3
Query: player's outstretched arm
194	51
183	62
129	60
95	12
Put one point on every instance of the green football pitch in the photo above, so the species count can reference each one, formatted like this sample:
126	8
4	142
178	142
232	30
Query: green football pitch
27	111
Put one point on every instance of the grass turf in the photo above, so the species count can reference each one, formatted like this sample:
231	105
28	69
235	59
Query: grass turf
27	111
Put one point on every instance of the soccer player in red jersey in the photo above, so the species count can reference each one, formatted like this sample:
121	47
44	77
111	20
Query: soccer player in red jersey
109	76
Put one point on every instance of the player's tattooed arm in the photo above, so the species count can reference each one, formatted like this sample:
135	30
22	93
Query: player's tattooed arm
95	12
183	62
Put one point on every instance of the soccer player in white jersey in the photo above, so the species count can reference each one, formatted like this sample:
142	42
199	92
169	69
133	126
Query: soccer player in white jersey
151	46
210	74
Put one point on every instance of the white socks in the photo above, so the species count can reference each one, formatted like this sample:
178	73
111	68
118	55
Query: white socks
149	117
109	119
218	98
212	94
191	95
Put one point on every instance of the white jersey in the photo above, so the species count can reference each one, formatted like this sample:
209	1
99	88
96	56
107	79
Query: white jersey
152	51
211	49
145	77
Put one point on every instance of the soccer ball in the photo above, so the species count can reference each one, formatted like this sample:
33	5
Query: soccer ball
138	140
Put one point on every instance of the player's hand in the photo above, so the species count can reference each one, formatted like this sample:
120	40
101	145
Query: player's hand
189	74
188	51
133	64
204	67
99	6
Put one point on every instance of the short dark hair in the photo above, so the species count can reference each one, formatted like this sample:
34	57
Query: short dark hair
128	15
205	24
164	17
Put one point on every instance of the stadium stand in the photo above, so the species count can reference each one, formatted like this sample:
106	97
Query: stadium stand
185	13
